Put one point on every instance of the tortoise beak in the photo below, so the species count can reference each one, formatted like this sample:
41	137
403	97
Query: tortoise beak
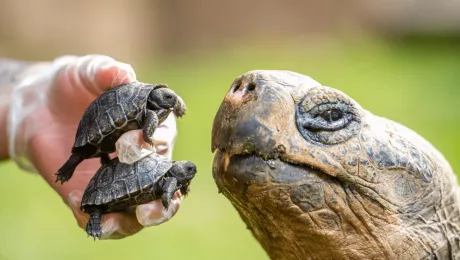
180	108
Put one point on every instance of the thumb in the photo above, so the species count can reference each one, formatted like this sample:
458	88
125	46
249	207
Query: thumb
154	213
80	80
98	73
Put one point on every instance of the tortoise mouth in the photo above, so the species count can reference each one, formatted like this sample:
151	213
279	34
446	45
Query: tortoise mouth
251	168
256	158
248	179
234	173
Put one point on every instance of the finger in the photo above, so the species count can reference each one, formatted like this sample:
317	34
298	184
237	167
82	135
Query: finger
114	225
99	73
165	136
74	204
131	146
153	214
119	225
114	75
81	79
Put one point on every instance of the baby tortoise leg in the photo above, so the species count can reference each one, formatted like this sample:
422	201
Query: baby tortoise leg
67	170
169	187
93	227
105	158
150	125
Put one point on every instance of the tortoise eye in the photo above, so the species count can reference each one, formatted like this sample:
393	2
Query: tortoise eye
327	123
168	96
332	115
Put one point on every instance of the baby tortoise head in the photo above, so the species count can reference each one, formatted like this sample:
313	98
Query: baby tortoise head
163	100
312	173
184	172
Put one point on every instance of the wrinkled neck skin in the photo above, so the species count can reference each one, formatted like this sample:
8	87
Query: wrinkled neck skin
161	113
384	194
353	217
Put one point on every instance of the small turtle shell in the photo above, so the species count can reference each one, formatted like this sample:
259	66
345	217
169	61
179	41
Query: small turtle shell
117	181
121	108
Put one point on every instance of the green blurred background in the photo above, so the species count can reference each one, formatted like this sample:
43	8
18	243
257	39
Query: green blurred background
395	62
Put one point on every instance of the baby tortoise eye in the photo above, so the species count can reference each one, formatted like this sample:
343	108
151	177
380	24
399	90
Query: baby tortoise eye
332	115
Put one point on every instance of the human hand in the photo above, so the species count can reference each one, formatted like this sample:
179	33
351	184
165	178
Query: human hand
43	118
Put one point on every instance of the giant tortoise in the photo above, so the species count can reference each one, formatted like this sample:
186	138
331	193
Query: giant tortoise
316	176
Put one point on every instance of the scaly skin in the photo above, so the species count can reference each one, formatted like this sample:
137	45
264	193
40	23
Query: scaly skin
370	189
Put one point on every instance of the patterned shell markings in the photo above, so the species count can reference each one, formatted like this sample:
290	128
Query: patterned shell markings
103	117
118	181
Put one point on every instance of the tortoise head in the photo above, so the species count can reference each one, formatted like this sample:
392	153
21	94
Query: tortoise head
184	172
313	174
163	100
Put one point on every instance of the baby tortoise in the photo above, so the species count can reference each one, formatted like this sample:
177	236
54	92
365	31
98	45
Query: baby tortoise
117	186
126	107
314	175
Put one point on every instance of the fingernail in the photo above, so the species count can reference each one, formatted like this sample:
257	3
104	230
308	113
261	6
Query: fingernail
125	73
119	78
130	74
178	196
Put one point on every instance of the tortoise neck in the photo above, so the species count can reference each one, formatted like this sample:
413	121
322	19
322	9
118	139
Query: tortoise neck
290	233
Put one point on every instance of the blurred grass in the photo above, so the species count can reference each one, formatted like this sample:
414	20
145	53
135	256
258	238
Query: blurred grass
412	82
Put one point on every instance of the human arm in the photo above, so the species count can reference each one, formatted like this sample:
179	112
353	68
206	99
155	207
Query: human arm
11	73
45	104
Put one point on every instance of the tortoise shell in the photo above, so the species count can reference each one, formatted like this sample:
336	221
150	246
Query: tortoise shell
118	185
116	111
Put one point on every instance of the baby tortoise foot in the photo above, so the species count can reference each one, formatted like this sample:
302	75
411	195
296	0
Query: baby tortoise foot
105	159
66	171
93	228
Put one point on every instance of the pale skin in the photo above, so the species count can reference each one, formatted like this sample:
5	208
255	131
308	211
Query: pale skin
68	96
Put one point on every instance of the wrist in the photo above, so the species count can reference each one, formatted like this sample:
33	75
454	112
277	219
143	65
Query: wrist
9	80
27	96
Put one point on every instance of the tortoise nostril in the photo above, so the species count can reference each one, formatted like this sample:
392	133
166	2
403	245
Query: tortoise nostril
242	91
237	86
251	87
